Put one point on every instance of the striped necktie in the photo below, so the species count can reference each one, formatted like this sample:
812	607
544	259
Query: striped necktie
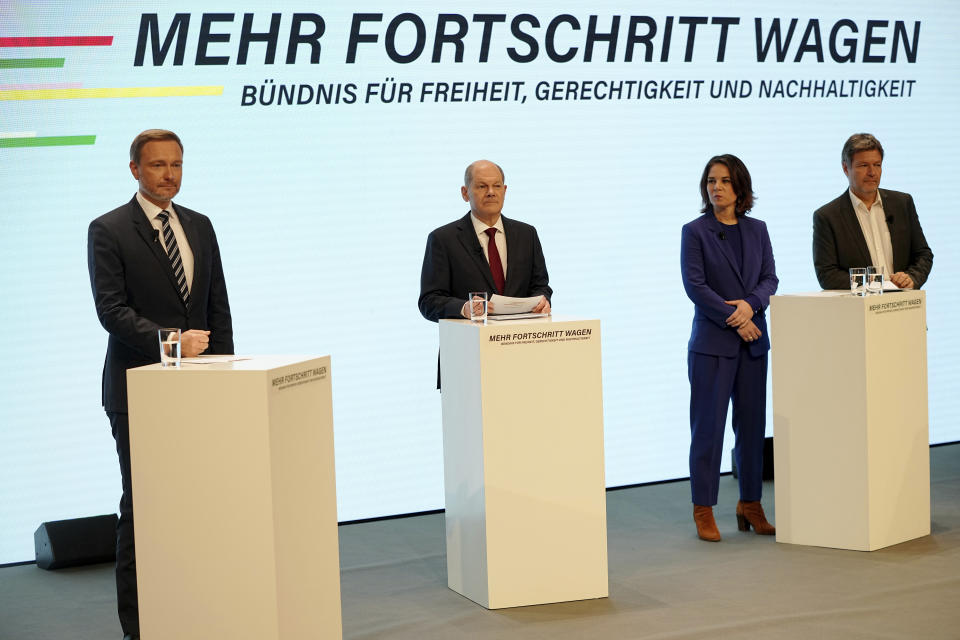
173	252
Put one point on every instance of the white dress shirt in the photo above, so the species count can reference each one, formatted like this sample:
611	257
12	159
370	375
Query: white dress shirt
501	239
873	223
186	254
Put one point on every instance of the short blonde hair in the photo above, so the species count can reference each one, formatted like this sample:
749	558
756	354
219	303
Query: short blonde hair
149	136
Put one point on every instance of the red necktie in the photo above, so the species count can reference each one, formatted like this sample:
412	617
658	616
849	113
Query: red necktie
496	267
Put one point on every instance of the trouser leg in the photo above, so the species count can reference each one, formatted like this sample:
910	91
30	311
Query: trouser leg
126	570
711	381
749	423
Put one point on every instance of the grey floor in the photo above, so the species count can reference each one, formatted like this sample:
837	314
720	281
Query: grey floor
664	583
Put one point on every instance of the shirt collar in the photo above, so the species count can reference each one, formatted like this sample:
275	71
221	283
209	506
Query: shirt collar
153	210
859	204
481	227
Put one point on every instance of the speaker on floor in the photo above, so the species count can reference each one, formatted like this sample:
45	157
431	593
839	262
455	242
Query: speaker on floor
69	543
767	460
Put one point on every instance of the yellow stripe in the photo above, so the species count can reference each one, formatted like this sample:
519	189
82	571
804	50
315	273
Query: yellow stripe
119	92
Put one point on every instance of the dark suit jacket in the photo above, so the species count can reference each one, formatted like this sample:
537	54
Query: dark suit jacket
838	242
454	266
710	276
136	293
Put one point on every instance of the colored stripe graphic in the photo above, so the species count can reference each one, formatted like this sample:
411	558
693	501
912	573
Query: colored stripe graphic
46	141
58	41
45	85
31	63
119	92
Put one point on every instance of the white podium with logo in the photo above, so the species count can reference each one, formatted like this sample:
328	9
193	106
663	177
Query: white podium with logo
851	437
235	500
523	460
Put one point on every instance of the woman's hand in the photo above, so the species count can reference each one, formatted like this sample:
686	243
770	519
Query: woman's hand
749	332
742	315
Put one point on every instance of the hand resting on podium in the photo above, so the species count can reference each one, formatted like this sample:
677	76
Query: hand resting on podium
193	342
465	309
902	280
542	307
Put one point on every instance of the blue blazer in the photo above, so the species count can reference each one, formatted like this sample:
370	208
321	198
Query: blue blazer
710	276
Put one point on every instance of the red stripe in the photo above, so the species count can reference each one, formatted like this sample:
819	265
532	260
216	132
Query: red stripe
58	41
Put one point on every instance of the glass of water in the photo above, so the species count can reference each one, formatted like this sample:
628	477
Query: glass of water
858	281
478	306
875	278
169	347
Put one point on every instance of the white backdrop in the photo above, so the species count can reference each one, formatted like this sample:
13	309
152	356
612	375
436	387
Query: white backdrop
322	210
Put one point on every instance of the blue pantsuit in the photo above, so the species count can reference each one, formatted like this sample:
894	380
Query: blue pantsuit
722	366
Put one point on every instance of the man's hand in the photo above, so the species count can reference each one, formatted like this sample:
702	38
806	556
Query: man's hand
749	332
193	342
742	315
542	307
465	309
902	280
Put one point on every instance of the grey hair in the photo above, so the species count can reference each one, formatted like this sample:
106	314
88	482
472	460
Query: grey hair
468	174
859	142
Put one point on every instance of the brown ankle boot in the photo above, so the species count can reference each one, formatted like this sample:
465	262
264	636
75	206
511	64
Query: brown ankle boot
751	514
706	525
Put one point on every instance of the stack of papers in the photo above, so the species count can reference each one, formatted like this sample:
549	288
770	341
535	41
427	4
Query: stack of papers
212	359
507	308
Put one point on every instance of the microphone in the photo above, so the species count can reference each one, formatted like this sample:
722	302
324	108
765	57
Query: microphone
723	236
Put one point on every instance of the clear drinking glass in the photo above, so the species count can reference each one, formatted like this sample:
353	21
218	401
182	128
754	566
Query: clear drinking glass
875	277
478	306
169	347
858	281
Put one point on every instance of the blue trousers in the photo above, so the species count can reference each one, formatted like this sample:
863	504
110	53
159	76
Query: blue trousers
714	381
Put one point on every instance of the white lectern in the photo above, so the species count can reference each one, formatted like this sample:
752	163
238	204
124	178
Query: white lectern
523	461
851	441
235	500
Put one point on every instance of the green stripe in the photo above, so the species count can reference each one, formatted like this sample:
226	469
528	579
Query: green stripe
30	63
46	141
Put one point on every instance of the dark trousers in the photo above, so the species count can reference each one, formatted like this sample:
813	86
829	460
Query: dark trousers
714	381
126	554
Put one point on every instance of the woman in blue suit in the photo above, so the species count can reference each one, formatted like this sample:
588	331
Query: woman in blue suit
728	272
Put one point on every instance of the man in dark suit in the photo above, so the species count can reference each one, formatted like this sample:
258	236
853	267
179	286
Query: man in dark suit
867	225
152	265
482	251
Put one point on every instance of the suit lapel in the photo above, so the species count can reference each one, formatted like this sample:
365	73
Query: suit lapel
853	229
150	237
471	244
510	231
716	228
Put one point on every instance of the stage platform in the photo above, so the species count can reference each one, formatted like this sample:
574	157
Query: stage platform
664	582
